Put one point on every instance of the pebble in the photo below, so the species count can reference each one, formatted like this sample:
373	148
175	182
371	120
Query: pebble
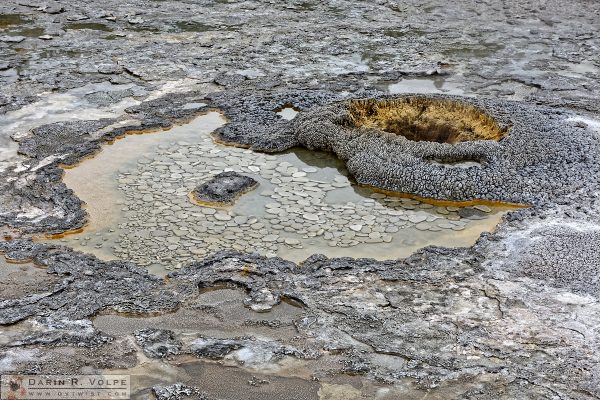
423	226
356	228
415	218
310	217
445	225
222	217
240	219
270	238
483	208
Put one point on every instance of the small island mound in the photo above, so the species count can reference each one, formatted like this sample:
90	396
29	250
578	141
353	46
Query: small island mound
223	189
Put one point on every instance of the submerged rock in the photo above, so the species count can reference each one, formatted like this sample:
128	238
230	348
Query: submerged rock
224	189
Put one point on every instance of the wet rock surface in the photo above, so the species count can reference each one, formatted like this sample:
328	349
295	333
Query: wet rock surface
224	188
514	316
306	201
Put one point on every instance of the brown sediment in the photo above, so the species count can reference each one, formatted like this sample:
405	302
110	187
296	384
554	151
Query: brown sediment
426	119
110	142
102	196
217	140
62	234
447	203
19	261
41	238
79	161
201	203
287	105
95	181
15	261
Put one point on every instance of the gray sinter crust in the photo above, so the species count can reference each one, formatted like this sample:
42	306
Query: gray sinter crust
437	313
414	310
224	188
543	158
515	317
177	391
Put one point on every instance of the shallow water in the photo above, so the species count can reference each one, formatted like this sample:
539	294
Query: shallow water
437	84
67	106
8	20
136	191
218	312
88	25
55	107
288	112
101	195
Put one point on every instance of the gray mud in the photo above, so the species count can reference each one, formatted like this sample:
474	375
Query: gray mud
514	316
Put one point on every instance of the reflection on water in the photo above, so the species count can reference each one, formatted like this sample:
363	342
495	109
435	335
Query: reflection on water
55	107
436	84
8	20
136	194
287	112
94	26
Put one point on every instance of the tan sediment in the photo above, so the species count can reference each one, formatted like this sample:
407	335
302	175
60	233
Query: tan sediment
426	119
447	203
217	140
63	234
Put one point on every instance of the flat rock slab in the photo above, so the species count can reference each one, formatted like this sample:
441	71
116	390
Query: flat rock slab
223	189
